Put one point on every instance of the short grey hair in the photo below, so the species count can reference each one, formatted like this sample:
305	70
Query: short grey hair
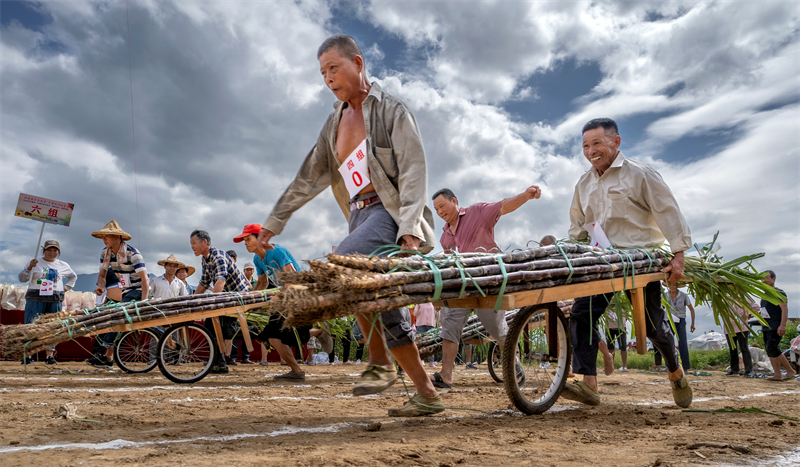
201	235
347	48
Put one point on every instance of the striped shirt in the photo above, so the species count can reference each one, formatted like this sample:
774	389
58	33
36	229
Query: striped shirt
218	265
132	263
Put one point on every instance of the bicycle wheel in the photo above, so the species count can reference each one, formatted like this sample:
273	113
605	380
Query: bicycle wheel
135	351
495	362
544	374
186	353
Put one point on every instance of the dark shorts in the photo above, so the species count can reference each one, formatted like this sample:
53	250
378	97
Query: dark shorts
229	325
287	336
771	341
617	336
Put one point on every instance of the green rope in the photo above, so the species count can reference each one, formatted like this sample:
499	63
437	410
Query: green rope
499	301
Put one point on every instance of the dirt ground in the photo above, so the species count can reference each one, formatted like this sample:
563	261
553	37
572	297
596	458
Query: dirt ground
244	419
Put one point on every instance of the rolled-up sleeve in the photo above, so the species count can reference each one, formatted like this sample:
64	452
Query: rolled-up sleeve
413	173
665	211
312	179
25	275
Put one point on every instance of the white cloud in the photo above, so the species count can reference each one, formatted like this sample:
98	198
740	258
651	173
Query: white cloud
228	100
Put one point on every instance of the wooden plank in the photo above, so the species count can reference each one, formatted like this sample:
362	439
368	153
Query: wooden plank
218	333
244	330
639	323
553	294
170	320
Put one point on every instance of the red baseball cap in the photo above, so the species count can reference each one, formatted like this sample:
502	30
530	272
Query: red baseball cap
249	229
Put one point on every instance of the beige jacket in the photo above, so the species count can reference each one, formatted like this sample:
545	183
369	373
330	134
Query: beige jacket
632	204
397	169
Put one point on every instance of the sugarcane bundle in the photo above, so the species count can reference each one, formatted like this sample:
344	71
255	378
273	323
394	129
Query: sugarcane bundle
53	329
347	285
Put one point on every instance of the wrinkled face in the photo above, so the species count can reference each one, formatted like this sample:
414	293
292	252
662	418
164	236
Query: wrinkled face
182	274
251	243
112	241
342	76
446	209
170	268
248	273
600	149
51	253
198	247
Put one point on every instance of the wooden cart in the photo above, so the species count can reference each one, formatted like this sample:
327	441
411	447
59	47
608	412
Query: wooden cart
544	353
184	352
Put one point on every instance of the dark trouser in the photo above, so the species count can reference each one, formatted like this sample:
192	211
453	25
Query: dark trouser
229	327
583	329
107	340
740	340
239	344
683	344
771	341
371	228
347	341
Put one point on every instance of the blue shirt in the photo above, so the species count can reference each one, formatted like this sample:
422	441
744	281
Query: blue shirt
274	260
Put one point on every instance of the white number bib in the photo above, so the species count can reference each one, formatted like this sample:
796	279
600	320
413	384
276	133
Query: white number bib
597	234
354	170
124	280
46	288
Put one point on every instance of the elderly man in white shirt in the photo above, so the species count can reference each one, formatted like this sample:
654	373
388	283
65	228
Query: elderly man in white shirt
167	285
634	207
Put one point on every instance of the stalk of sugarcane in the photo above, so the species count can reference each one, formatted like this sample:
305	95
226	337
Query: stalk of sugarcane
134	311
35	344
350	279
300	298
51	333
415	263
296	317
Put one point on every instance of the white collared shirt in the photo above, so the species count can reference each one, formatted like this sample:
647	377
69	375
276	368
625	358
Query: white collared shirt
161	288
632	203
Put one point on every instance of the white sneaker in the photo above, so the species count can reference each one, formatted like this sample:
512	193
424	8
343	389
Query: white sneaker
358	362
622	368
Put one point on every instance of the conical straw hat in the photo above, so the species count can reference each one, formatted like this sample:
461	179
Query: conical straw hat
170	259
189	269
112	228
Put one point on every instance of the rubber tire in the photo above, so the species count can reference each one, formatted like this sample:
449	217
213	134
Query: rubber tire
165	369
493	347
557	384
121	364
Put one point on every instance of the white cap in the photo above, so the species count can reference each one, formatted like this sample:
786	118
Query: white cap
248	266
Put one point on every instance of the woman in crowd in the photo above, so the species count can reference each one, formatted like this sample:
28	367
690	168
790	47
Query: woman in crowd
47	280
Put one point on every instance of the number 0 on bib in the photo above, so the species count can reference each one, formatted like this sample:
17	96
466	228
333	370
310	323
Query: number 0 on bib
354	170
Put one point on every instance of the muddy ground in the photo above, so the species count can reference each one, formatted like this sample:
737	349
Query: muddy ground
244	419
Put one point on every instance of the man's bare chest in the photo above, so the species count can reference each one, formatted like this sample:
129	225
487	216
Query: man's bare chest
350	134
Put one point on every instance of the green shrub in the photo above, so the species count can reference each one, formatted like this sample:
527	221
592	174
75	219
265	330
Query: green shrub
699	359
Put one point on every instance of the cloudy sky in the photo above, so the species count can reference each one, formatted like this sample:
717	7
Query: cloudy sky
227	99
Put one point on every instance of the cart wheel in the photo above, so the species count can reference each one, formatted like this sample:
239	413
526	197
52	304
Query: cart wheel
186	353
495	361
135	351
544	375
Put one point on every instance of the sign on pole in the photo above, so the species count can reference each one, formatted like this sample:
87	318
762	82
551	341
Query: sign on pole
45	210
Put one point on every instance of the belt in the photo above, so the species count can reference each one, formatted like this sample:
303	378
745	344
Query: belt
361	204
